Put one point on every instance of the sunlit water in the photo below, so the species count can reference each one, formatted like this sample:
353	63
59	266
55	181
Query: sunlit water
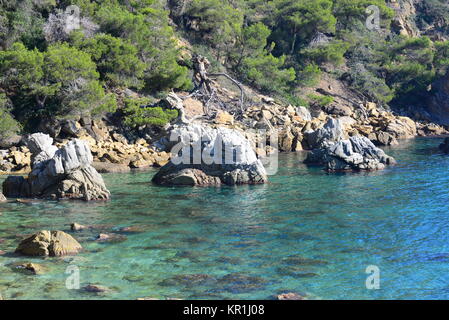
306	231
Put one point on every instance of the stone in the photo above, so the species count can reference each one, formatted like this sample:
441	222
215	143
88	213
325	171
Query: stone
95	288
331	132
114	238
77	227
29	268
290	296
49	243
70	128
10	141
355	154
41	146
385	139
193	108
238	164
402	128
286	139
224	118
2	198
338	110
304	113
67	174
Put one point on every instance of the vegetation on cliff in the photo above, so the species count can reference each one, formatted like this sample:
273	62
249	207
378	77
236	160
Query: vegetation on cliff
53	69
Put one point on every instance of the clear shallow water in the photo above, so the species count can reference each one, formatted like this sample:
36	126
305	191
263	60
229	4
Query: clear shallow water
306	231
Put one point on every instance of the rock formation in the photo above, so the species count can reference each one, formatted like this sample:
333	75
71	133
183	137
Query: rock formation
58	173
208	156
438	105
331	132
49	243
354	154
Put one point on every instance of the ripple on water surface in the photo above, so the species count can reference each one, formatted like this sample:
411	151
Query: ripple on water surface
306	231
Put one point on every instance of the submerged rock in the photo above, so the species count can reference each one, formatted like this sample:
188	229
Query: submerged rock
207	156
356	153
77	227
64	173
49	243
95	288
29	268
290	296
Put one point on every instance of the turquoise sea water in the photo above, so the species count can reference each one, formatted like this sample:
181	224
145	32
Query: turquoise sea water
306	231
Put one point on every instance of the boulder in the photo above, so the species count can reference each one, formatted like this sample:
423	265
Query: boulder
10	141
338	110
49	243
29	268
304	113
402	128
382	138
2	198
331	132
209	156
224	118
290	296
77	227
354	154
66	173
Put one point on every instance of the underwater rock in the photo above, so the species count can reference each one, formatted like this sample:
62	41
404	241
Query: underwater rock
208	156
77	227
28	268
103	237
95	288
66	173
239	283
49	243
355	154
290	296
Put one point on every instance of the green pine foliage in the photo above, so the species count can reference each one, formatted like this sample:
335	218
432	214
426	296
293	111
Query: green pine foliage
279	47
137	113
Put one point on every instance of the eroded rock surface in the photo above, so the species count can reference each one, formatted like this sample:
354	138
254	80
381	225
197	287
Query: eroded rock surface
49	243
58	173
354	154
209	156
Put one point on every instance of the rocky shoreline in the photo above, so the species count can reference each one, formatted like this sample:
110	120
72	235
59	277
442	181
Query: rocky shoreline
117	150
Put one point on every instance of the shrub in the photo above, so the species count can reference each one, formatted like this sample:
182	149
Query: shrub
137	113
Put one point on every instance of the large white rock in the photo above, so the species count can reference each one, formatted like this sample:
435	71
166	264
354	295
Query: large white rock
67	174
330	133
203	155
354	154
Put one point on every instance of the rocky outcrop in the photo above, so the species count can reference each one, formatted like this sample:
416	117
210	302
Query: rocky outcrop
330	133
58	173
438	104
354	154
49	243
208	156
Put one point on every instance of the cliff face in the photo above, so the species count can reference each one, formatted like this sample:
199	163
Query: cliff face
438	103
404	22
